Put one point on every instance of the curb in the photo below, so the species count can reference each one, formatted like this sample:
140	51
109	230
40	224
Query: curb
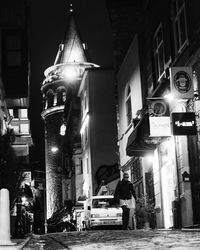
23	244
16	245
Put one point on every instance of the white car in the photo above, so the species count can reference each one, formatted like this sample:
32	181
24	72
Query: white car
101	211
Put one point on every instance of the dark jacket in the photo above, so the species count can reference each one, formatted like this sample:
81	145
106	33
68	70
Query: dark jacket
124	190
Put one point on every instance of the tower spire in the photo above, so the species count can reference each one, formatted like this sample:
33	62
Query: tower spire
70	49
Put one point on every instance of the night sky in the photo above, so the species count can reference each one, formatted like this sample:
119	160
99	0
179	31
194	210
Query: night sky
48	22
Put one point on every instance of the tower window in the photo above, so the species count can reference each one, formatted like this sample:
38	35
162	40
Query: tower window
13	45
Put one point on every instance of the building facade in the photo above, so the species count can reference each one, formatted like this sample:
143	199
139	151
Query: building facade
167	44
98	128
15	62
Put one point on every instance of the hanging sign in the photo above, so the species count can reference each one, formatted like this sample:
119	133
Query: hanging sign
181	82
184	123
157	107
160	126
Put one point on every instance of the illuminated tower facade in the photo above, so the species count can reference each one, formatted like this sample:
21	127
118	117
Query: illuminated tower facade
60	104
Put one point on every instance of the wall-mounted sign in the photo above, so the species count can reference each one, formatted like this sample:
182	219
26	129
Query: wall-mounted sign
158	107
160	126
181	82
184	123
186	177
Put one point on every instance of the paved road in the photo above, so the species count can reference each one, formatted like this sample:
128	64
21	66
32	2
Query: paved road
117	239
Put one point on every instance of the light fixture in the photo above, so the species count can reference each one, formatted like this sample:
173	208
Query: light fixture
62	129
149	158
169	97
24	200
70	73
54	149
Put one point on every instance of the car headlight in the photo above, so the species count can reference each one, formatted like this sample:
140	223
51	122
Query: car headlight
95	215
119	214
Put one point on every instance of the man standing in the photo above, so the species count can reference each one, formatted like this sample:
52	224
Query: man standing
125	192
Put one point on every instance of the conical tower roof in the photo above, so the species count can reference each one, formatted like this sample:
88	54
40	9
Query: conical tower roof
71	49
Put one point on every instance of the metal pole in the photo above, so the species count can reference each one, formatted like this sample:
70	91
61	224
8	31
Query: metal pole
178	206
45	212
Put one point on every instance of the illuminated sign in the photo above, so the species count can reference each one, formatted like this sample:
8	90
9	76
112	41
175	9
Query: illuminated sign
181	82
184	123
160	126
158	107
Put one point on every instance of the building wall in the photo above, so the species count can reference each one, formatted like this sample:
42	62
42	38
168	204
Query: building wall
101	146
128	75
54	164
103	133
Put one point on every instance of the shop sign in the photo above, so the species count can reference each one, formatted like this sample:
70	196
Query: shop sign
160	126
184	123
158	107
181	82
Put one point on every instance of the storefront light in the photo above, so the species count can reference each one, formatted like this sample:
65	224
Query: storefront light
149	158
169	97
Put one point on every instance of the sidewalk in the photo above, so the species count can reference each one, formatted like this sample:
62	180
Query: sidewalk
18	244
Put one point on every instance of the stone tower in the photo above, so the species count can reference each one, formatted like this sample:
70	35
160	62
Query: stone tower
59	87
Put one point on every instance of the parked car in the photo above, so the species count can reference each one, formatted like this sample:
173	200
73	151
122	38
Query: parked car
102	211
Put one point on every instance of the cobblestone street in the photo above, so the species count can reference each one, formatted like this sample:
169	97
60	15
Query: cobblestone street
117	239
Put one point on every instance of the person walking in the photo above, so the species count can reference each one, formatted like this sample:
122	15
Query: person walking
124	194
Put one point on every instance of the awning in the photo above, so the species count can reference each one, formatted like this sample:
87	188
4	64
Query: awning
139	142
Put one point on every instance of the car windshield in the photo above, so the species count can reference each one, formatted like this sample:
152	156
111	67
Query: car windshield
103	203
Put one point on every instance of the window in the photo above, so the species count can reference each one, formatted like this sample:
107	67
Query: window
87	165
128	106
10	112
79	167
16	129
179	25
61	95
136	177
84	104
158	53
50	98
23	114
136	170
13	46
15	113
24	128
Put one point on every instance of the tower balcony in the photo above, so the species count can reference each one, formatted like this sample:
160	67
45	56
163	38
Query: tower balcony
70	71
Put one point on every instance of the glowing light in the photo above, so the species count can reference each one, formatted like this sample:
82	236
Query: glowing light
149	158
62	129
24	200
70	73
54	149
169	97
